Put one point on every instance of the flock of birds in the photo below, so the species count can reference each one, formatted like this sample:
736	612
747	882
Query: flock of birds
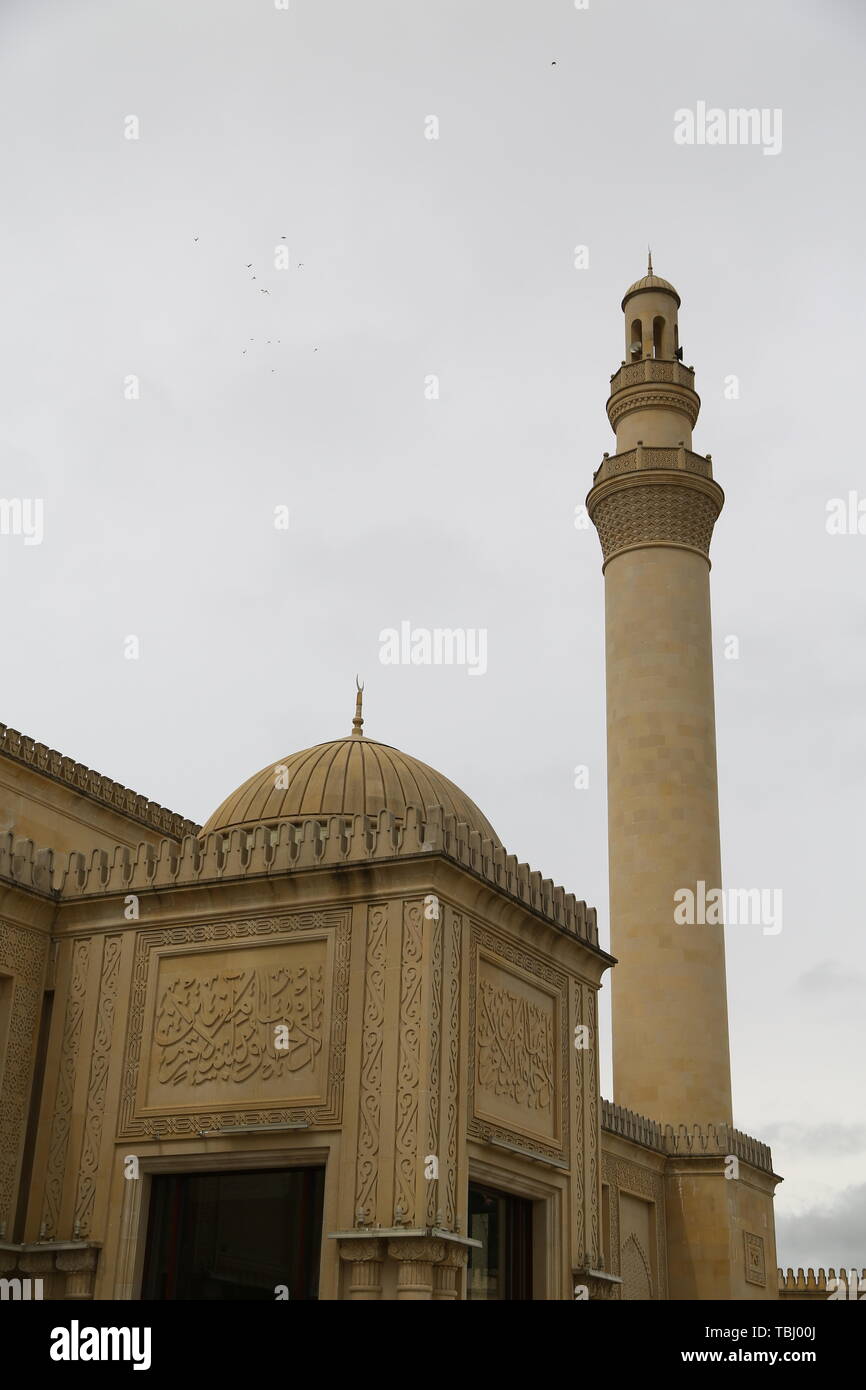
268	341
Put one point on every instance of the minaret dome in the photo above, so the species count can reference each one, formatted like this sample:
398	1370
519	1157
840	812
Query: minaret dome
651	328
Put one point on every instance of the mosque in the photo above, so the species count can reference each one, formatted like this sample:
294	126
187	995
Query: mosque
340	1043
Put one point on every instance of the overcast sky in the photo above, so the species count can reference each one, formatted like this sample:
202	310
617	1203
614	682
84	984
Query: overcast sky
453	257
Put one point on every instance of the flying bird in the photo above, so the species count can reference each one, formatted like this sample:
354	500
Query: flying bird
264	291
195	238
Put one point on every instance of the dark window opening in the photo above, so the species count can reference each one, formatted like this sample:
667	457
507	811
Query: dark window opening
502	1266
235	1236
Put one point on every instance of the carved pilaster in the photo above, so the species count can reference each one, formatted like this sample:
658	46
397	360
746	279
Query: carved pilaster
448	1167
365	1259
446	1271
409	1065
593	1131
60	1124
370	1096
434	1025
79	1266
99	1064
416	1257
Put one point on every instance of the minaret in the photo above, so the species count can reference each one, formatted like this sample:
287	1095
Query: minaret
654	504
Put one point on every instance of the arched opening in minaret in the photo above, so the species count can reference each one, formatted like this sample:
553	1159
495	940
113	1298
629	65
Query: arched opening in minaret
636	341
658	331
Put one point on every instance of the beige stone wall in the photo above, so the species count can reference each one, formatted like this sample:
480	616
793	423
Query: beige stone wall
721	1231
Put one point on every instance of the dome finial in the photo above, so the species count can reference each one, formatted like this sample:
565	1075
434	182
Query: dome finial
358	721
649	261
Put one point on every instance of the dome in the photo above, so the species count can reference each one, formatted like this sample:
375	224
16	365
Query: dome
650	282
348	776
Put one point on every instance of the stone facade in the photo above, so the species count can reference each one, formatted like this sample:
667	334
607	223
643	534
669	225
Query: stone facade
431	989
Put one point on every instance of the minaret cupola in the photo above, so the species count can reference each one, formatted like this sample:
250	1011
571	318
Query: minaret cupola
652	396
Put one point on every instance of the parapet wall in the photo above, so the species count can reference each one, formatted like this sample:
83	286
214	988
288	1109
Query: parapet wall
822	1284
689	1140
288	848
79	778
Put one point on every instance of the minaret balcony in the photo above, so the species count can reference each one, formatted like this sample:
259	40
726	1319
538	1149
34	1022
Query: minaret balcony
648	457
652	382
650	496
652	369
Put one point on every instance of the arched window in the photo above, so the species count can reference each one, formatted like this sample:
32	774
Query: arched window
658	330
635	345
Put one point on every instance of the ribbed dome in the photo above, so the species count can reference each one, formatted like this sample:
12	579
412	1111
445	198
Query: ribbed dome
650	282
349	776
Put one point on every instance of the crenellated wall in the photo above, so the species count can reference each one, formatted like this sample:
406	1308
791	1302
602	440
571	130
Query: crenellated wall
288	848
816	1285
60	803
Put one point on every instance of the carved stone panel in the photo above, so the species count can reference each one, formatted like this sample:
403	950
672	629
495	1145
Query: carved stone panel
409	1066
370	1093
451	1070
636	1276
224	1019
756	1271
519	1049
637	1227
637	1253
88	1166
237	1023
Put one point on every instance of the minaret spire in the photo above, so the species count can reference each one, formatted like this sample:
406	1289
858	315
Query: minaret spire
358	721
649	261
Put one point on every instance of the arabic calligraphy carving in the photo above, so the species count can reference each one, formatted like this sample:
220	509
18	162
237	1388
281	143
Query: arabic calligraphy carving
224	1027
515	1048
